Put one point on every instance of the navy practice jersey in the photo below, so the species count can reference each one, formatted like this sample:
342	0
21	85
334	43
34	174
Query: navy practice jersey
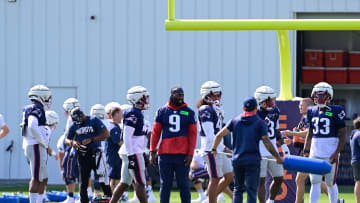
134	118
326	123
175	123
111	143
208	114
271	118
91	128
36	110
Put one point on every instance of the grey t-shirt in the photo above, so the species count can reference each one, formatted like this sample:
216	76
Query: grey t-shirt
355	147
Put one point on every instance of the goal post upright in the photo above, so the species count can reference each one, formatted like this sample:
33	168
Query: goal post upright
280	25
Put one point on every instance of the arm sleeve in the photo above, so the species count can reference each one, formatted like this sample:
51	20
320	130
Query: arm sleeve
155	136
208	128
33	126
128	134
2	121
60	144
192	134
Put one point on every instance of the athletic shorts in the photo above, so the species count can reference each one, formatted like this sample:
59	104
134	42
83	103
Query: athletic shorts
217	165
275	169
70	166
199	173
330	178
138	174
37	156
356	171
115	171
125	172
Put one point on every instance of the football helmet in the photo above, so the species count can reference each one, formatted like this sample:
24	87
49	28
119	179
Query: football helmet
265	97
210	88
69	104
41	94
111	105
139	97
52	118
98	110
76	115
322	94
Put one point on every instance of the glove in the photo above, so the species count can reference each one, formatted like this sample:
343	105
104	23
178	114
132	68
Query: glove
285	149
146	160
132	161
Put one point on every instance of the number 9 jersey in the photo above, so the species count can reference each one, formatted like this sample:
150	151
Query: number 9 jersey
178	127
325	125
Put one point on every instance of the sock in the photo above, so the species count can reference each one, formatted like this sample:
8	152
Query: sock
333	193
89	191
149	187
315	192
71	194
40	198
33	197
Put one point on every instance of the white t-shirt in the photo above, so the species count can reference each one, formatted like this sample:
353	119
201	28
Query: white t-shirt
147	128
2	121
30	139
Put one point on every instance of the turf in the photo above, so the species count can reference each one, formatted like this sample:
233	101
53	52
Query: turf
345	192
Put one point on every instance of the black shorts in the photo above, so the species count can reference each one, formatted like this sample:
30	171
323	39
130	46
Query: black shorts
356	171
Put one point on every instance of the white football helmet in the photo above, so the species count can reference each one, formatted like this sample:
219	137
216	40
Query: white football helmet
52	118
41	94
69	104
98	110
138	96
210	87
111	105
265	96
322	93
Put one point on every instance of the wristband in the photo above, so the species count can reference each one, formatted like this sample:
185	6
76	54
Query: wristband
213	150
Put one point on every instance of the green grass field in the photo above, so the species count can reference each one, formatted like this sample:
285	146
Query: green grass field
345	192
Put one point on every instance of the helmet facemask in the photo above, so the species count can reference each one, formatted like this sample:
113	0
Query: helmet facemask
143	103
214	98
268	104
322	99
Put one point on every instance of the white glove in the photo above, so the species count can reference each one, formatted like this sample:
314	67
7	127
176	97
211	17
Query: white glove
285	149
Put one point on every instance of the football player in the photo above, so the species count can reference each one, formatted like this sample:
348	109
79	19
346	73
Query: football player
325	139
101	177
67	155
34	134
4	128
134	135
211	117
175	122
265	97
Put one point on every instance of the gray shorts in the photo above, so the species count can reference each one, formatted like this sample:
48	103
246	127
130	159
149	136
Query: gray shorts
125	172
356	171
267	164
37	156
137	174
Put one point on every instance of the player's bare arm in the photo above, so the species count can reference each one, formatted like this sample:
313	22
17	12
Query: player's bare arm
72	143
269	146
342	140
292	133
219	136
308	142
279	137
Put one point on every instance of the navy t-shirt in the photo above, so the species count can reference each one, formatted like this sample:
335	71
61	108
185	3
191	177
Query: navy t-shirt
208	114
326	123
111	143
355	147
247	133
36	110
134	118
91	128
271	118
